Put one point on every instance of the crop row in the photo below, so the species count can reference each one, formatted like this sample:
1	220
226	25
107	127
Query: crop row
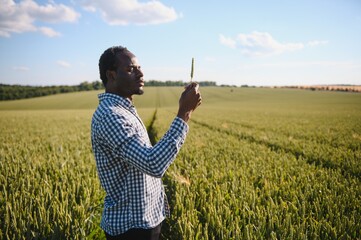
48	182
257	164
224	186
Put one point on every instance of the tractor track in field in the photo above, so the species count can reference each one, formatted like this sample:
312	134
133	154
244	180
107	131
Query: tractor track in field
152	132
296	136
170	185
346	171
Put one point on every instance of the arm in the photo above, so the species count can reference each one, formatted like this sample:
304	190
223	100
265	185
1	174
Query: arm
128	146
155	160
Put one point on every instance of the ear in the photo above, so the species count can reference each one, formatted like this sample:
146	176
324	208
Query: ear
110	75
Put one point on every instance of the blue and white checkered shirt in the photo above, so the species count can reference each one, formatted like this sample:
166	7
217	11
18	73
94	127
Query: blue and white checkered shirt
129	167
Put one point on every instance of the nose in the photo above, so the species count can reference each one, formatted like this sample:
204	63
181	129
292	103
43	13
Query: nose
139	72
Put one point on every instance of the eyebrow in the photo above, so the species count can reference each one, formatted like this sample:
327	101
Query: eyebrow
133	65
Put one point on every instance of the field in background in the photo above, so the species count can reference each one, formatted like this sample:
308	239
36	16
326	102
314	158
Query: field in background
338	87
342	88
257	164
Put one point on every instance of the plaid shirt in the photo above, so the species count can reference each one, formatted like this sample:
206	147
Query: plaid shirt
129	167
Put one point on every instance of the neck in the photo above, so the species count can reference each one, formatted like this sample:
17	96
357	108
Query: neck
119	93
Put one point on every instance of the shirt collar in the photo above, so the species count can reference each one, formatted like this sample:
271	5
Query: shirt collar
116	99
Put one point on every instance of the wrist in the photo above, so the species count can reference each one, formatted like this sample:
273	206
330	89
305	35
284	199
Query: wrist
185	116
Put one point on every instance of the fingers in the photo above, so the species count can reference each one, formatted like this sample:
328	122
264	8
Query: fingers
191	96
192	85
199	102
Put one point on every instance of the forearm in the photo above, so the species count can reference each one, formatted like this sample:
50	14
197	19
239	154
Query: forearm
156	160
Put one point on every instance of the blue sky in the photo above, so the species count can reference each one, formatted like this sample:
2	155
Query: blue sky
235	42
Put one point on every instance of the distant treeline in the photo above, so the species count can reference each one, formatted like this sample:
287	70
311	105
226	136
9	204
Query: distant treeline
339	88
155	83
12	92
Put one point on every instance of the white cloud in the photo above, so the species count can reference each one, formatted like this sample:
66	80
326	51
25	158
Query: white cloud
49	32
19	17
317	43
64	64
21	68
259	44
124	12
229	42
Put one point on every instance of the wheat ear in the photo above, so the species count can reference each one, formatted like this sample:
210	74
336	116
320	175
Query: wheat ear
192	69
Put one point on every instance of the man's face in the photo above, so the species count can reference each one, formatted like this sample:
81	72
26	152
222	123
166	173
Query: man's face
129	76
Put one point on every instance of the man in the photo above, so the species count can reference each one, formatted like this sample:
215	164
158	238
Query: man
129	167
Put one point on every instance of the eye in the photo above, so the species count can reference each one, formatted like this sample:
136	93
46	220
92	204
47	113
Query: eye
133	68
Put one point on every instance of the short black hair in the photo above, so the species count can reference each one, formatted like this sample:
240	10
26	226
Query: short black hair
108	61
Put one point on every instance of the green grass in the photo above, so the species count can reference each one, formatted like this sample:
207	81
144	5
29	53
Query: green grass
255	98
257	164
152	98
76	100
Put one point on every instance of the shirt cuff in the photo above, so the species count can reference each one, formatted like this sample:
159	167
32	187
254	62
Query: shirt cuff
180	126
178	131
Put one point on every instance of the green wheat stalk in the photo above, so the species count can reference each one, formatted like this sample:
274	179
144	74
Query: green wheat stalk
192	69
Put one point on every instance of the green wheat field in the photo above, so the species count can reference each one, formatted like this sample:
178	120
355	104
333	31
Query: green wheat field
258	163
